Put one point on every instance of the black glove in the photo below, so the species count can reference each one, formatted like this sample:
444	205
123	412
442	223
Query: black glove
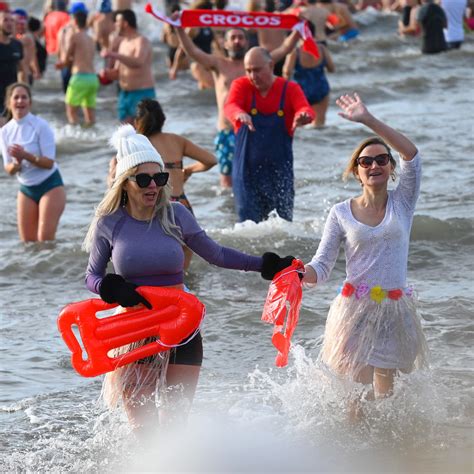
272	264
115	289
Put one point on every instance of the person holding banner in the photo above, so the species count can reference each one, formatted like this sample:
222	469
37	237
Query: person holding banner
265	111
224	71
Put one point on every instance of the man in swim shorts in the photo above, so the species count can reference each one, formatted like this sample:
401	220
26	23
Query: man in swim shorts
224	70
133	66
84	84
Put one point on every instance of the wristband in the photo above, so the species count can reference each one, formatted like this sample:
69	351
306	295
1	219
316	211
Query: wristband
37	158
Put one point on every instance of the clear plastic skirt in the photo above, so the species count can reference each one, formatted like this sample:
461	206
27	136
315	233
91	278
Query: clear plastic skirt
361	332
140	380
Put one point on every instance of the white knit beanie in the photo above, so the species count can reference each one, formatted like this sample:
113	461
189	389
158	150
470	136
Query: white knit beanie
133	149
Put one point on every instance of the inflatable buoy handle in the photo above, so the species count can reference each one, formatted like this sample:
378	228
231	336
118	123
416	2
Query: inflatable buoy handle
175	316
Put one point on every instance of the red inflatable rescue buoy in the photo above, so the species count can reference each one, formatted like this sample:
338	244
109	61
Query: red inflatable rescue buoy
284	301
176	315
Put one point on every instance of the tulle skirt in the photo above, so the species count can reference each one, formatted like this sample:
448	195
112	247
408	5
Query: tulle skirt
385	334
140	380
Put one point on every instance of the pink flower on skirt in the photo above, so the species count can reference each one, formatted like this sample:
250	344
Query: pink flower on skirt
362	290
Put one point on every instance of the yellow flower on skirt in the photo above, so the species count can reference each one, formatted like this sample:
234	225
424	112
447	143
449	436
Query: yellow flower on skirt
377	294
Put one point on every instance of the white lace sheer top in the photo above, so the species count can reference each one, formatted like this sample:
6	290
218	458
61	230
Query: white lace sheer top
375	256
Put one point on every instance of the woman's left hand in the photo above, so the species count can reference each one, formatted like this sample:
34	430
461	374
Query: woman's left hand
18	152
353	108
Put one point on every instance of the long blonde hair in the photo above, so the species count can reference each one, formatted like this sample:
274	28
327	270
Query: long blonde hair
116	196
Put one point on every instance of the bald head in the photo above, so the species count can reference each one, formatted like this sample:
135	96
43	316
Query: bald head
257	53
259	68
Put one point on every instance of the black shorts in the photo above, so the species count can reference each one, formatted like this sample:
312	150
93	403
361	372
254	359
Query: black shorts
188	354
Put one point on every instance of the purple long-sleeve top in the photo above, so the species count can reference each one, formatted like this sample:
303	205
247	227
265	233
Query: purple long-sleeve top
143	254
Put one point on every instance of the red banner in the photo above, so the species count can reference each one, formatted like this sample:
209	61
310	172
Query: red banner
240	19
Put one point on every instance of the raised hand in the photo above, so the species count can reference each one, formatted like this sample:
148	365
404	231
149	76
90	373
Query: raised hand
353	108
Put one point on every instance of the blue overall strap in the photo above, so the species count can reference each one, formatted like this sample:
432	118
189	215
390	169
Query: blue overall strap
253	105
282	98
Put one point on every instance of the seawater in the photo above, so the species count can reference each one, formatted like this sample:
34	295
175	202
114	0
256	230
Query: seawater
248	415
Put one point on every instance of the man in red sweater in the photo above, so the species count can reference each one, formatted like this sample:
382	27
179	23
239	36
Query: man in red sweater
265	111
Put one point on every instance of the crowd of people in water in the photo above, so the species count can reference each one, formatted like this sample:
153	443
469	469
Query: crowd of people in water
266	84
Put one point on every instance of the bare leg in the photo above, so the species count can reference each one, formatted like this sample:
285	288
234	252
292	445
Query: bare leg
226	181
365	376
51	206
182	381
320	110
71	113
383	382
27	218
202	76
89	116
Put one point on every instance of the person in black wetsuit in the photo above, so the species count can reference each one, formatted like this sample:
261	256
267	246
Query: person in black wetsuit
11	54
34	26
432	20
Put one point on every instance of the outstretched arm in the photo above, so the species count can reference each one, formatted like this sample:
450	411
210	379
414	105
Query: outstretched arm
288	45
353	109
207	60
205	160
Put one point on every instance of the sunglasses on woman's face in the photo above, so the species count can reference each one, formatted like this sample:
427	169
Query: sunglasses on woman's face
367	161
143	180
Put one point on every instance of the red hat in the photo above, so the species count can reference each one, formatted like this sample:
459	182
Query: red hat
4	7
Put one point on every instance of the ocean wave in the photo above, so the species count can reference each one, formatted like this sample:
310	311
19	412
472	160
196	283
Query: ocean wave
437	230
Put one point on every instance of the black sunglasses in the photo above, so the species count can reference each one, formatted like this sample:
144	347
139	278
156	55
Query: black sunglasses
143	180
367	161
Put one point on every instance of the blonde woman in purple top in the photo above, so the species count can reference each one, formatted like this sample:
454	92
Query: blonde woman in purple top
142	232
372	330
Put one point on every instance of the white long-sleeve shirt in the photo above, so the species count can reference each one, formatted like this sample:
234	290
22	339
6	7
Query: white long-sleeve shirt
35	135
375	256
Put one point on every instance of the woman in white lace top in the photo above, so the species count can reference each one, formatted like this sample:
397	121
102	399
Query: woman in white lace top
372	329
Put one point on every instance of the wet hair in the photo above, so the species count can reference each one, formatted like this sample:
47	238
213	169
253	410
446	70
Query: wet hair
8	95
201	5
351	168
129	16
175	7
81	19
221	4
269	6
149	118
243	30
34	24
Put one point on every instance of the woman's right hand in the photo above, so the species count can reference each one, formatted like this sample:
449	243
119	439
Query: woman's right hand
17	152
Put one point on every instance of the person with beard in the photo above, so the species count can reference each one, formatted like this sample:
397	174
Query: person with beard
224	71
11	55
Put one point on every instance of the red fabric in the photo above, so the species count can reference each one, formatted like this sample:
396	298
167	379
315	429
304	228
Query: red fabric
395	294
240	100
282	308
53	22
238	19
348	290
